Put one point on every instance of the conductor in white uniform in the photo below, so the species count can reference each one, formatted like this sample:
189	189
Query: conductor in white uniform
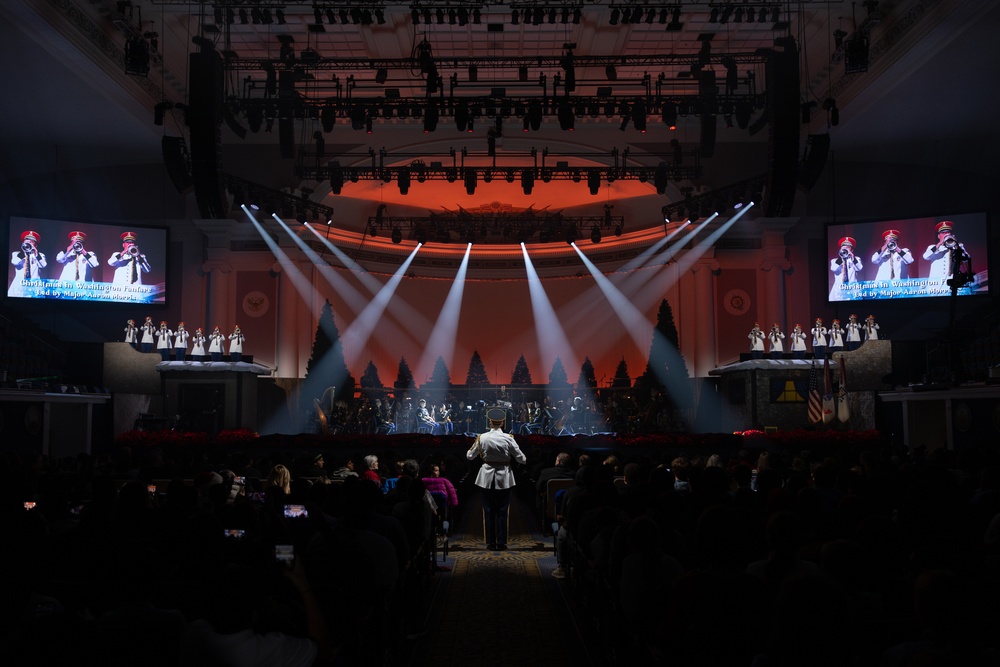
495	478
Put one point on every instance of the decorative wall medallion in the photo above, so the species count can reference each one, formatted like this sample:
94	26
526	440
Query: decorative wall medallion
736	302
256	304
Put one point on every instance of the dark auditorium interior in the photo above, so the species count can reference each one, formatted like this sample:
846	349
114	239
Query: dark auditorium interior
588	203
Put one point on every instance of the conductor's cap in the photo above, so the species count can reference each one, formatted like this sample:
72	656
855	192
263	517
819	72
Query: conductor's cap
496	415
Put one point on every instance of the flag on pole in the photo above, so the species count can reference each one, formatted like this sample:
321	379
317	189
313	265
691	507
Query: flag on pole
815	410
843	409
829	408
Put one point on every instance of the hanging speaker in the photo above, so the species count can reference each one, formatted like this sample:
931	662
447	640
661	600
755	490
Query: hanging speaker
817	148
178	163
204	119
782	72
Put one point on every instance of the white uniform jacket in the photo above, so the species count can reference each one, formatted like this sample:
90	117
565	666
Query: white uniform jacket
496	449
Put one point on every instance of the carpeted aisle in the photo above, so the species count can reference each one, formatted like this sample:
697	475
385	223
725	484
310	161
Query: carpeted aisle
500	608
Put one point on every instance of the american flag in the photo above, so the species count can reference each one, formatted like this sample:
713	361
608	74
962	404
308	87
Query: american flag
815	411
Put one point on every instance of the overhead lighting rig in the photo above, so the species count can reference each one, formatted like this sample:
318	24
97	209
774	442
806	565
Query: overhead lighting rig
269	200
494	227
729	198
680	166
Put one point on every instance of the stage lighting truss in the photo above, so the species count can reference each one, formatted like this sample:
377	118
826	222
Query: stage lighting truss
500	227
728	199
538	166
285	203
663	13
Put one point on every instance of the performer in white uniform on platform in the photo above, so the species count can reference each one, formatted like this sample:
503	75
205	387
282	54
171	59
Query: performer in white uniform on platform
148	335
215	344
78	262
836	337
870	328
756	337
776	338
798	342
819	339
198	345
853	333
893	262
28	262
236	344
130	263
163	336
132	334
180	341
845	266
495	477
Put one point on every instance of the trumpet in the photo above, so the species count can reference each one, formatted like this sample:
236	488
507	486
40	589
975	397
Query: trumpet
27	248
133	250
950	242
844	253
891	246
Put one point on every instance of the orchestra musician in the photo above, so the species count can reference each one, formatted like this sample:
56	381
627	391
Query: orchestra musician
444	420
425	419
383	417
535	418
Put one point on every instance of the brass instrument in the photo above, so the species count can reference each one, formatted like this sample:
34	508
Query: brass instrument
950	242
133	250
322	415
78	247
844	253
891	246
27	248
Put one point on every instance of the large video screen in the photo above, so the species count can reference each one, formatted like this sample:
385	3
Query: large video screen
908	258
83	261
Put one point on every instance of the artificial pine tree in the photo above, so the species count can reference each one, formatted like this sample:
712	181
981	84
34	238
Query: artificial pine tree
521	375
440	377
557	376
326	367
621	378
477	371
370	379
404	377
587	378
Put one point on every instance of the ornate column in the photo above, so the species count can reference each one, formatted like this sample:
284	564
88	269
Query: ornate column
286	336
219	308
705	354
774	264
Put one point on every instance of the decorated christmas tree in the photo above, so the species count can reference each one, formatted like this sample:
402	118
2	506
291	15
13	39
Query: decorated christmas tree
477	371
521	375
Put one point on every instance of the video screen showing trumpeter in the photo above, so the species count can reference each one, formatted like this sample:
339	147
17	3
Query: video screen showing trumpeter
85	261
908	258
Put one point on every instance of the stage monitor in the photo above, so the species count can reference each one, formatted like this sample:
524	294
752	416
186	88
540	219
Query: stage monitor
85	261
907	258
